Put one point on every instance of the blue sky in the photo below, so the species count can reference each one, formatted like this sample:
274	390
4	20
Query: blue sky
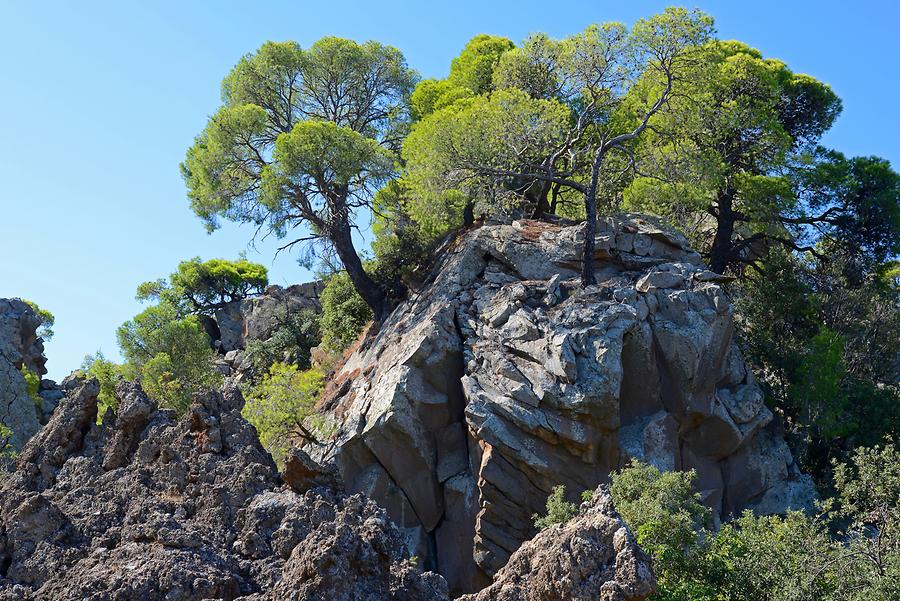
100	100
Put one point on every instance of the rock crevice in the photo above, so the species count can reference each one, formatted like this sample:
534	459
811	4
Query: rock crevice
504	378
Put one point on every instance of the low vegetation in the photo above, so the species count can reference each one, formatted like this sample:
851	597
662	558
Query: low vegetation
281	408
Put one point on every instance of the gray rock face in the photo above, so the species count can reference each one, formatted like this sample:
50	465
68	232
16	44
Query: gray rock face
19	346
152	507
256	318
504	378
591	557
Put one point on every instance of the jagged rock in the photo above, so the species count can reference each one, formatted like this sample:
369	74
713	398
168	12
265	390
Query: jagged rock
301	473
149	506
591	557
256	318
20	347
503	378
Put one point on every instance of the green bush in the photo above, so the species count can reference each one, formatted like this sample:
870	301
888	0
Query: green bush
281	408
170	355
559	511
107	374
344	313
849	552
32	386
45	330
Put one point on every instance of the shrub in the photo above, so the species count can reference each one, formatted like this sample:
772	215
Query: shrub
107	374
45	330
32	386
281	407
344	313
559	511
170	355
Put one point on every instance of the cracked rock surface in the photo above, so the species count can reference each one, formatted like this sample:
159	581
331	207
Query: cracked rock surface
503	378
20	347
147	506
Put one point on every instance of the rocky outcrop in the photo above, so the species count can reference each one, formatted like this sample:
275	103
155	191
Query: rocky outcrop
504	378
20	347
592	557
256	318
148	506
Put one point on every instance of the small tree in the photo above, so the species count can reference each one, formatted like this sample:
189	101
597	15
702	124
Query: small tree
45	330
170	354
108	375
281	407
344	313
203	286
304	138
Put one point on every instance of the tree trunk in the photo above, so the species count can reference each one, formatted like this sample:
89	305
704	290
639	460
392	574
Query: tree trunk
720	252
590	227
368	289
469	213
542	206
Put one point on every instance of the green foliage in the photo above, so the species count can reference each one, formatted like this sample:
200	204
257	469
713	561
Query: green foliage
473	69
32	385
169	354
869	496
459	152
662	508
281	407
739	142
402	247
762	558
7	452
45	330
107	374
296	333
824	337
535	138
559	511
201	286
303	139
344	313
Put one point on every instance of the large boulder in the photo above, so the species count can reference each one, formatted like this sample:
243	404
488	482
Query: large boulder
592	557
503	378
20	347
151	506
256	318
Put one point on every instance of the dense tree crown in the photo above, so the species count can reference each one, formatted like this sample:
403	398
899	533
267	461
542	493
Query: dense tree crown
303	139
550	117
202	286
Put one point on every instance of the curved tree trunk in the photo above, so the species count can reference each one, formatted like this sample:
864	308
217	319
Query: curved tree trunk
370	291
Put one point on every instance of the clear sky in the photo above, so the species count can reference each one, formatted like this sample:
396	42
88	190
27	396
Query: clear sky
99	101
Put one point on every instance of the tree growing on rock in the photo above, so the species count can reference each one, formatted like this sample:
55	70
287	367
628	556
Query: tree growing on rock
169	353
202	286
45	330
303	140
556	116
735	161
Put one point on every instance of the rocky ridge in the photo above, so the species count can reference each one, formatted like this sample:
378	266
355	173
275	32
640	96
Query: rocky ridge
154	507
147	506
504	378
